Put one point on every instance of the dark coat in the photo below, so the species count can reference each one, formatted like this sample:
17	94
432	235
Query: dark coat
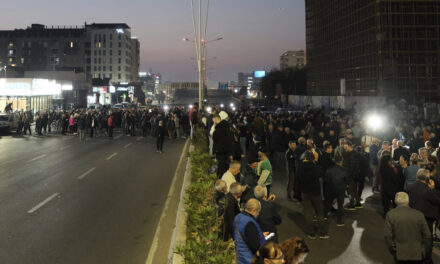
336	180
269	218
278	141
231	210
401	151
351	163
392	182
423	199
309	174
326	161
222	138
406	233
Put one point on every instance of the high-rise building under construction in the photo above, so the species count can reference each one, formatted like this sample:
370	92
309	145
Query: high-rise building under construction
373	47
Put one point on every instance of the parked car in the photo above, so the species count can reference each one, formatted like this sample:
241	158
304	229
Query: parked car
9	122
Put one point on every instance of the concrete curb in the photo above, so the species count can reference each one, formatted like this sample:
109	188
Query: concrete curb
179	232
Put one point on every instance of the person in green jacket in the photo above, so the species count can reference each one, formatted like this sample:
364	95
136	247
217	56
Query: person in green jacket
264	170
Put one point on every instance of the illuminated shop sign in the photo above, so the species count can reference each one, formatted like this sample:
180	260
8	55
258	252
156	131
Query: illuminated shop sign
31	87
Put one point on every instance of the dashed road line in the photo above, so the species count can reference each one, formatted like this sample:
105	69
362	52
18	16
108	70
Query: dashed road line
112	155
117	137
86	173
128	145
38	206
37	158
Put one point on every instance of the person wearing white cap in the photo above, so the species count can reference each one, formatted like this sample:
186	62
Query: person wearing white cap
222	138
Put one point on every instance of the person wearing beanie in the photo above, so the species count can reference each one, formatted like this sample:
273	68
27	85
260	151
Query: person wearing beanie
222	138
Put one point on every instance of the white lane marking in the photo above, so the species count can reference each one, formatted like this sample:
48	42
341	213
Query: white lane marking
117	137
86	173
155	243
139	138
128	145
65	147
112	155
38	206
37	158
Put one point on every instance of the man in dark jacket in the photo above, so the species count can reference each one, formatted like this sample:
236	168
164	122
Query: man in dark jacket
268	217
298	152
222	138
401	151
351	164
309	174
290	161
406	232
231	210
424	199
335	181
278	147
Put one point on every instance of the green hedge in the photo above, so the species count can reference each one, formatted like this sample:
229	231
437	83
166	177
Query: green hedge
203	245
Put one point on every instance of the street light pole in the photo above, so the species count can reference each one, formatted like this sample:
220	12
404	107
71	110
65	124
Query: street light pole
200	56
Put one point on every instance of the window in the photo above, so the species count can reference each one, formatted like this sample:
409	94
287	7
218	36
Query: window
119	76
22	60
104	60
111	60
99	52
99	76
119	37
103	68
111	44
119	44
111	76
111	68
99	68
95	68
119	68
103	52
111	52
103	75
119	60
95	52
99	60
119	52
95	75
95	60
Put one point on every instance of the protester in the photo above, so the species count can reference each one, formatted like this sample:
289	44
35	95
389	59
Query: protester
269	253
406	233
295	250
268	217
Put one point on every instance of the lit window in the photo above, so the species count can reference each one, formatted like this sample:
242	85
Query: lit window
99	44
71	44
22	60
95	75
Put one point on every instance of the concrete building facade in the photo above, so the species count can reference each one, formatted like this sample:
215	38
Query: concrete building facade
292	59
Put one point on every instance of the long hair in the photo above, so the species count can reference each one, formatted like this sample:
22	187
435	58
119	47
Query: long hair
269	250
293	248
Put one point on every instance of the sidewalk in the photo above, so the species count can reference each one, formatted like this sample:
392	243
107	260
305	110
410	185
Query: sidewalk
360	241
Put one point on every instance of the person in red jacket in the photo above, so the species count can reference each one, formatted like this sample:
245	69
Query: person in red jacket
110	125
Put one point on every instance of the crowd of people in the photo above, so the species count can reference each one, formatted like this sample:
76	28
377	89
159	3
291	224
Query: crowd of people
326	159
148	121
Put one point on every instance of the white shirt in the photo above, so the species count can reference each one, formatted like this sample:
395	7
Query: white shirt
229	179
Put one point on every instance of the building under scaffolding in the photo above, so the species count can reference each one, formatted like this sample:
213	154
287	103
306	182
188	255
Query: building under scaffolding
373	47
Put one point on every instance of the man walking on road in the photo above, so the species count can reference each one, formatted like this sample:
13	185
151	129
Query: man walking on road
110	125
406	233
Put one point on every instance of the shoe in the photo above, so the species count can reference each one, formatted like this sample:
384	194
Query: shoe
324	236
315	218
350	208
359	205
312	237
340	224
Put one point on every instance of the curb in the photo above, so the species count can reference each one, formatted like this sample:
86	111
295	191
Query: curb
179	232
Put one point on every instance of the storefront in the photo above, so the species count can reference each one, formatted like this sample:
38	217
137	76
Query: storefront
31	94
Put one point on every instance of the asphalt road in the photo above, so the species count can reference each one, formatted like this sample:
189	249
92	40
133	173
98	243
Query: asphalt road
66	201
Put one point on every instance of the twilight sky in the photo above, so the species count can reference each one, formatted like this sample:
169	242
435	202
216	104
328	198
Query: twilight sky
255	32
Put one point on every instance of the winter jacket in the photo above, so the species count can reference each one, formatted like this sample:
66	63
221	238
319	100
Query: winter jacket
222	138
309	174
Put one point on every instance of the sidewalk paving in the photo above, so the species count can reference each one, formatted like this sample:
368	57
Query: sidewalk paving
359	241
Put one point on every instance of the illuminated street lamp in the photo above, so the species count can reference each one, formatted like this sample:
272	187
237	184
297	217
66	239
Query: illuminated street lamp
375	121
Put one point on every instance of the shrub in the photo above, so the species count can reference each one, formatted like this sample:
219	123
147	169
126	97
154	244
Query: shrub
203	246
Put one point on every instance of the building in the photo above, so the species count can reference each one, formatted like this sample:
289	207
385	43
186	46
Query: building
97	51
292	59
135	59
373	47
110	53
38	48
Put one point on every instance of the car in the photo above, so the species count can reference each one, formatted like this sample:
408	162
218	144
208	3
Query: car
9	122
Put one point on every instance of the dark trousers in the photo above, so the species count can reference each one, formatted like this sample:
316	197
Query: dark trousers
387	202
313	206
110	131
296	188
428	256
222	164
408	261
329	204
290	182
159	143
355	190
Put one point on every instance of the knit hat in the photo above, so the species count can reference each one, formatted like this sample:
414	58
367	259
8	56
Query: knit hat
223	115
